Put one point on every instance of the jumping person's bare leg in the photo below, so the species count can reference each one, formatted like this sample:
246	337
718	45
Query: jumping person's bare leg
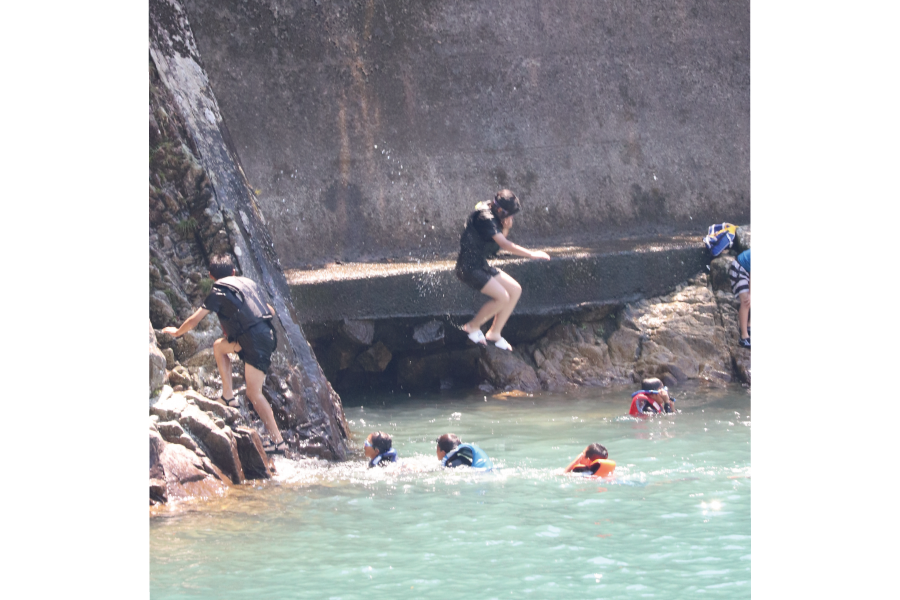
255	379
514	290
221	349
500	297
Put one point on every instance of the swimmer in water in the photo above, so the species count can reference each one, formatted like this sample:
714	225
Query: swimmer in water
378	449
591	461
652	398
485	233
453	453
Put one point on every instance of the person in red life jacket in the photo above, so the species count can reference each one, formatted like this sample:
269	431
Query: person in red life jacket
246	320
653	398
594	460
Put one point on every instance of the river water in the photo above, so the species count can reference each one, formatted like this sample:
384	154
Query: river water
672	522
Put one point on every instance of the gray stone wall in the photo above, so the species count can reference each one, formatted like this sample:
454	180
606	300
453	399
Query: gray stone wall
370	129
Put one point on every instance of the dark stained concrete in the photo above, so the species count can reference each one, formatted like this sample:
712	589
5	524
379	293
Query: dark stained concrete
609	272
369	129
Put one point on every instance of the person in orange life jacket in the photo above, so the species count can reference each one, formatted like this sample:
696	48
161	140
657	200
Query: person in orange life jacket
378	449
652	398
587	461
485	233
245	318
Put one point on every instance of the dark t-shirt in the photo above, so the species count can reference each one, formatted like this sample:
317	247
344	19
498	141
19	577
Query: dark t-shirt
477	240
216	300
226	305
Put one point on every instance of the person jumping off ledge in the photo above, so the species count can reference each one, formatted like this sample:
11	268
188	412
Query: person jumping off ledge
487	228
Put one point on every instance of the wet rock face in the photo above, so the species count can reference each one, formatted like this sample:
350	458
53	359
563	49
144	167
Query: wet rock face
157	364
191	219
199	447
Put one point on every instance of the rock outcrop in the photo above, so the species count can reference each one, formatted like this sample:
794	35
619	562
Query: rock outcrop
201	205
199	447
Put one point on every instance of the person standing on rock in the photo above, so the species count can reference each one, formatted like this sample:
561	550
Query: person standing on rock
246	320
739	274
486	230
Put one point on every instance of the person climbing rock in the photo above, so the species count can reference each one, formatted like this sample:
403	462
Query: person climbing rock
246	321
485	233
739	274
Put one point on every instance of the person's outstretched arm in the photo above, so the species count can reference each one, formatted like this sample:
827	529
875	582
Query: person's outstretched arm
191	322
575	463
507	245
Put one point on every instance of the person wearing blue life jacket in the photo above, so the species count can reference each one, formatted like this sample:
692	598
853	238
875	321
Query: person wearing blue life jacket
378	449
453	453
739	274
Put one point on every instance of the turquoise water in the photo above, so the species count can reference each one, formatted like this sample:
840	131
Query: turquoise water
673	521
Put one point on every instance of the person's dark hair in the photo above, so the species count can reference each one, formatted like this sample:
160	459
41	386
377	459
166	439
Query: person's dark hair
448	442
381	441
507	201
221	266
651	383
595	451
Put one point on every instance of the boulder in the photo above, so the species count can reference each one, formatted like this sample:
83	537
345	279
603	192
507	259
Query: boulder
161	312
253	457
507	370
188	475
217	442
169	405
157	364
624	346
158	492
680	336
429	333
226	413
742	239
205	358
180	376
173	433
358	332
170	358
375	359
564	362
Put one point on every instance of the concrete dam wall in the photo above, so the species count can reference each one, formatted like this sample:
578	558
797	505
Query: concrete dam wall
369	129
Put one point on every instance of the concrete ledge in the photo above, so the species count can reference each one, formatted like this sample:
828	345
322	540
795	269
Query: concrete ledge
575	277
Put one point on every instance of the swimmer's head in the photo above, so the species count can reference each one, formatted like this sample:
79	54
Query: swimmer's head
651	383
595	451
505	204
446	443
377	443
221	266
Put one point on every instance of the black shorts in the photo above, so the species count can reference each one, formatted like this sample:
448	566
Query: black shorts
476	277
257	345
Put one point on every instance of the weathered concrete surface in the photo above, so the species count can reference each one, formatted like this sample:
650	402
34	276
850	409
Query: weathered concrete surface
611	272
370	129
